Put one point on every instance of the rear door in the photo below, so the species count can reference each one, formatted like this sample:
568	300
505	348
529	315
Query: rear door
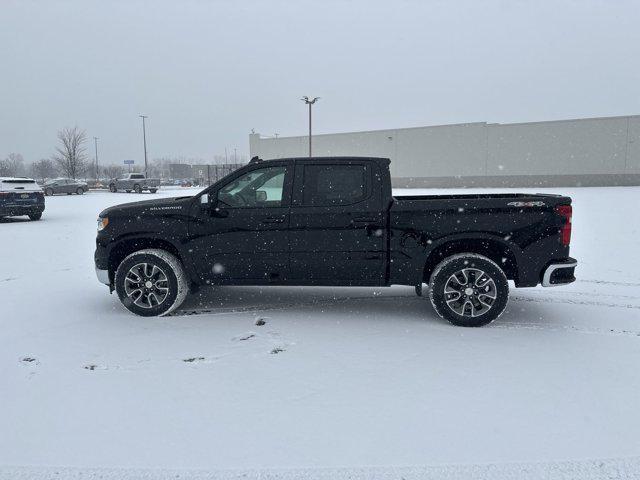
68	185
337	224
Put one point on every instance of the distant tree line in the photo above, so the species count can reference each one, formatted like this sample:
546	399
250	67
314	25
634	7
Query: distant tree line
70	160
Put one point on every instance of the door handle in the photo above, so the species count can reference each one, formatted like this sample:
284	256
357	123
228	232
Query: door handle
273	220
364	220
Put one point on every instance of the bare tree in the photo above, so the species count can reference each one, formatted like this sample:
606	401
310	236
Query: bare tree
71	156
43	169
12	166
113	171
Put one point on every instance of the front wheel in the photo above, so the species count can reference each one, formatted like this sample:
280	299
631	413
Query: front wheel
153	190
48	192
151	282
137	188
79	191
112	188
468	290
35	216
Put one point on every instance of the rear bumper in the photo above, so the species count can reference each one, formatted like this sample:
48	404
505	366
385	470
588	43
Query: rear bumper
103	276
559	273
15	210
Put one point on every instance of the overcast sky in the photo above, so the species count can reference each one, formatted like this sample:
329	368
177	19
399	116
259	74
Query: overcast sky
206	73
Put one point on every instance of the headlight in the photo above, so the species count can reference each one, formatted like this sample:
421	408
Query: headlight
102	223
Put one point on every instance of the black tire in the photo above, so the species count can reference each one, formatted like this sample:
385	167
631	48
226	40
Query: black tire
79	191
128	191
48	192
153	190
134	295
137	188
468	290
112	188
35	216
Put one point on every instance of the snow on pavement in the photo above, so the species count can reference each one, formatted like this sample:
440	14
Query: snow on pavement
315	378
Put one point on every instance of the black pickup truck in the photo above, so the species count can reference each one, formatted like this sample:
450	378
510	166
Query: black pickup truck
334	221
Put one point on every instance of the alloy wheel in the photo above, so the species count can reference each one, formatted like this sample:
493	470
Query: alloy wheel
146	285
470	292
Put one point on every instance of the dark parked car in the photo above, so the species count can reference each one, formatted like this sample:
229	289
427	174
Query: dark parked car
64	185
334	221
21	196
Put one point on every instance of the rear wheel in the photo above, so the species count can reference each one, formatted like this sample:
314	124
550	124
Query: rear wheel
48	192
469	290
153	190
35	216
151	282
137	188
112	188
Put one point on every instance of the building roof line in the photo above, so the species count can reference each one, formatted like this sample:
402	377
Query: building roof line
491	124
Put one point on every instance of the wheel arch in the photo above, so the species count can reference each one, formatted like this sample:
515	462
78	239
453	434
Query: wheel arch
493	248
127	246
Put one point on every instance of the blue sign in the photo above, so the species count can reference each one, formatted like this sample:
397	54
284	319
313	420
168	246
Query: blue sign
129	162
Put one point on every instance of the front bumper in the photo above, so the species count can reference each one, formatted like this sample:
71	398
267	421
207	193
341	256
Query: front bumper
559	273
103	276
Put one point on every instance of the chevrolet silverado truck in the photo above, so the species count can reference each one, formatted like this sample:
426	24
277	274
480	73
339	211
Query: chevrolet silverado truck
138	182
21	196
334	221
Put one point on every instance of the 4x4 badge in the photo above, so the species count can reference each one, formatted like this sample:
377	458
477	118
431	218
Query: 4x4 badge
526	204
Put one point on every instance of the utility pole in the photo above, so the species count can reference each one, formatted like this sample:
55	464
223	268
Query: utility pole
144	139
310	102
95	141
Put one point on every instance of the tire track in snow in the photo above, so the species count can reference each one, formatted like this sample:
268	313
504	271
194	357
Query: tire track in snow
281	306
590	469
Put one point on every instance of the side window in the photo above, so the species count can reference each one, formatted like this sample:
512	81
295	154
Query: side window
326	185
263	187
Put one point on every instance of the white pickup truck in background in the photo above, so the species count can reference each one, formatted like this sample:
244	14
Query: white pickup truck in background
136	182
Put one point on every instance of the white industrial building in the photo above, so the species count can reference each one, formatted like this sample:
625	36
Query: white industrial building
580	152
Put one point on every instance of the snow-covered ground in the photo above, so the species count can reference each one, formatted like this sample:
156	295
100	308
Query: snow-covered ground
338	382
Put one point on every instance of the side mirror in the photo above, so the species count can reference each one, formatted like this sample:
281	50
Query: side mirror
261	196
211	205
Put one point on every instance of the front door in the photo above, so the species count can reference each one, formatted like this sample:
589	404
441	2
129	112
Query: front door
243	237
337	225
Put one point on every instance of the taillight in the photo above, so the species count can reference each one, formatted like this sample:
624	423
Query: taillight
565	231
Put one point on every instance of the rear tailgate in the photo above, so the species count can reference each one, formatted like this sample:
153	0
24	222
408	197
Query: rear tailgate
19	192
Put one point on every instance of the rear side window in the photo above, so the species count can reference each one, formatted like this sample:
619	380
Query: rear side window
326	185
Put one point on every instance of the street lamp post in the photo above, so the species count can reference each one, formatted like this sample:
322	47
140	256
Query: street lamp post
310	102
95	141
144	139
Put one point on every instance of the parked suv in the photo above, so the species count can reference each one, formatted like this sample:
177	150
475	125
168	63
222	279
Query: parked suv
21	196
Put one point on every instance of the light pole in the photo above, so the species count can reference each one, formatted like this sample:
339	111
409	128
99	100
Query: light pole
144	139
95	141
310	102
